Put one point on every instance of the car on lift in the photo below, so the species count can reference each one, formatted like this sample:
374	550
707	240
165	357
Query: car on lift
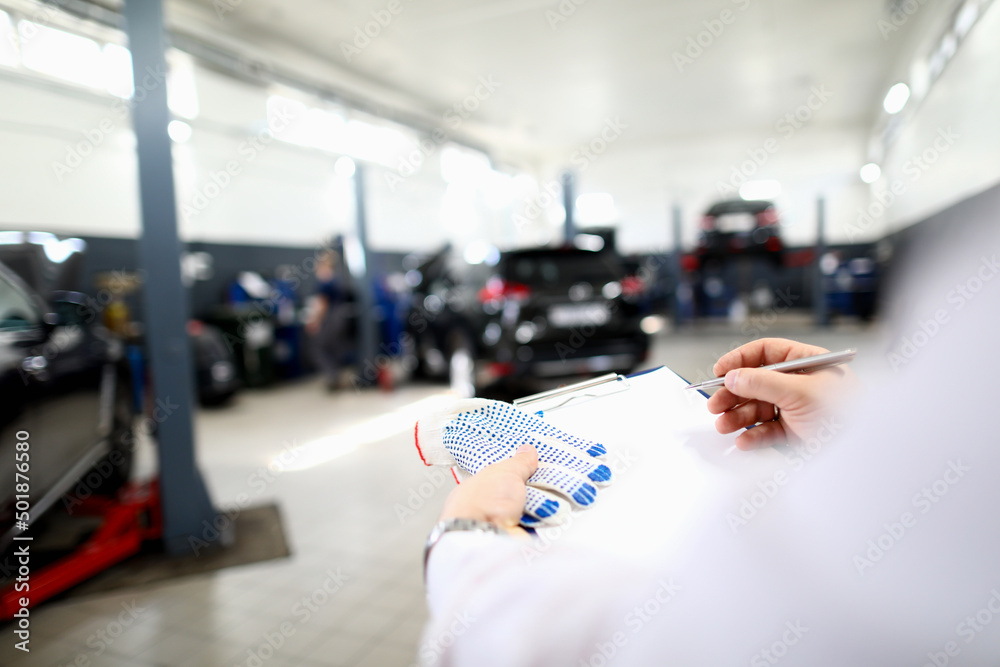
553	313
440	319
67	415
215	373
738	258
740	227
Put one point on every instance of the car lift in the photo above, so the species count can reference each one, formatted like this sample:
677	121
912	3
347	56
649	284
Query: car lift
127	521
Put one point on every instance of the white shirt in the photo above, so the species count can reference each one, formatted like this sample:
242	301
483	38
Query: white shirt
884	550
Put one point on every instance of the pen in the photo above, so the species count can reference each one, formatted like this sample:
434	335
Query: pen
803	365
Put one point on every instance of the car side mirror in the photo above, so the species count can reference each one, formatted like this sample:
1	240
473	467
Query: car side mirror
32	335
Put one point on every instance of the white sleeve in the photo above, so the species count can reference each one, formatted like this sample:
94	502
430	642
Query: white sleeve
497	600
879	548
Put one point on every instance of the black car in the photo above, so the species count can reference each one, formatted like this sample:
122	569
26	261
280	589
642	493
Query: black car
216	375
67	409
740	227
555	313
441	321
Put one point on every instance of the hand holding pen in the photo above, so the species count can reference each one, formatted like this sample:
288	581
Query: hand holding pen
783	406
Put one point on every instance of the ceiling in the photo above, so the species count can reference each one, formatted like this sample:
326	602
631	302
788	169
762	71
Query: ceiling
560	70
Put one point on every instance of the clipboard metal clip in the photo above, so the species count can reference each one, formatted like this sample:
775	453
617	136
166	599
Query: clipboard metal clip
552	399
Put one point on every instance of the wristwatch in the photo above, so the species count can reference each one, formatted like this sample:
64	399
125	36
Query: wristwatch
449	525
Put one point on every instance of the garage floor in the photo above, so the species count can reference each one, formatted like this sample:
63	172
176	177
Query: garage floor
357	505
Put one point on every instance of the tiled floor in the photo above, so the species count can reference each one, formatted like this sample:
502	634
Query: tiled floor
356	504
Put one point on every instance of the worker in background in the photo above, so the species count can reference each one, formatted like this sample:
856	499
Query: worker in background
326	323
882	550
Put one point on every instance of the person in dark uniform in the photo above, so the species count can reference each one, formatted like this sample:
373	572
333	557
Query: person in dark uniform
327	322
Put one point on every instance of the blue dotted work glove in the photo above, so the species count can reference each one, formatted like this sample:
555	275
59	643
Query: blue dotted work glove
474	433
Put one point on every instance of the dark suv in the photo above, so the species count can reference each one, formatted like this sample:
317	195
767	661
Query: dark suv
740	227
66	396
557	312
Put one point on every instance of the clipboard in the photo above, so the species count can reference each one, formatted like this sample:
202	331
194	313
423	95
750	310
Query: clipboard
669	464
554	399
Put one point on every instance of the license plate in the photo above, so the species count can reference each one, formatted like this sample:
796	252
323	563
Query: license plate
579	314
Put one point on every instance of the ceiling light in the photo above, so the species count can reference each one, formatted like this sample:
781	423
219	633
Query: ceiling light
179	131
596	208
870	172
896	98
481	252
344	167
966	18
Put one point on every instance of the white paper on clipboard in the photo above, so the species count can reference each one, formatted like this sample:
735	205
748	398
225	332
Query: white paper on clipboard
669	465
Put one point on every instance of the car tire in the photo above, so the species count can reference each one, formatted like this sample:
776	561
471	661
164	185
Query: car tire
116	466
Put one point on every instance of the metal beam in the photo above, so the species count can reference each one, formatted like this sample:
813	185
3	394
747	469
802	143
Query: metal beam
367	329
188	514
569	204
820	310
677	217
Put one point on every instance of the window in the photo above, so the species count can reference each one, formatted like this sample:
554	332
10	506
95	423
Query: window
8	41
61	54
182	95
17	312
118	71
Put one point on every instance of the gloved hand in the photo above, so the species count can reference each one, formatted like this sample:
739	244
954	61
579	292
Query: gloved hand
474	433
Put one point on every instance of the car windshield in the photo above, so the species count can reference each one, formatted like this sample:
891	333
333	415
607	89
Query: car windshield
563	269
16	310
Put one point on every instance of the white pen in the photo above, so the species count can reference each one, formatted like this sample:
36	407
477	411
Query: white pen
803	365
